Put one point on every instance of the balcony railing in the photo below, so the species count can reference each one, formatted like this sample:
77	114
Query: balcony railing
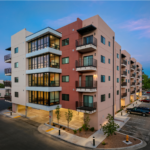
7	83
133	92
7	70
86	41
7	57
138	90
133	83
133	75
124	73
55	83
123	62
123	95
124	84
138	76
86	106
132	67
138	69
86	84
90	62
138	84
7	97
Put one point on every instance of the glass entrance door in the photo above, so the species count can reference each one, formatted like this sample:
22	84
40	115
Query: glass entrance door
89	81
88	60
87	101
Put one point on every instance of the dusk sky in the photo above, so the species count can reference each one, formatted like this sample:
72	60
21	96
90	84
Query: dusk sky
129	20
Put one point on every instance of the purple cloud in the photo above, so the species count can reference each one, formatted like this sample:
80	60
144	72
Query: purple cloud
142	25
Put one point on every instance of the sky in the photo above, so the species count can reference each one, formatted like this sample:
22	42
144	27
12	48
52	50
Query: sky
129	20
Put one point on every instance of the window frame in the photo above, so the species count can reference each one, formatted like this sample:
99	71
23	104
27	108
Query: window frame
102	78
64	95
102	59
16	94
103	98
15	50
65	79
63	41
65	58
103	40
16	80
15	65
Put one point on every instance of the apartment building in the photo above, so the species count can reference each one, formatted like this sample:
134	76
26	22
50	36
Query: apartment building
79	66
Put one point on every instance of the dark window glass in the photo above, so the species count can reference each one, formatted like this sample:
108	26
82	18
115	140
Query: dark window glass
102	78
109	95
102	40
109	43
102	59
117	80
65	60
65	97
109	61
16	50
65	78
108	78
16	79
16	65
65	42
102	98
16	94
117	55
117	92
118	68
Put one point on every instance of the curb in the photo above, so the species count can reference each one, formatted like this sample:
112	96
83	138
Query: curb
137	146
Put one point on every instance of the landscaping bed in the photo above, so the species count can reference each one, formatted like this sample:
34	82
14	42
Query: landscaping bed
116	141
82	133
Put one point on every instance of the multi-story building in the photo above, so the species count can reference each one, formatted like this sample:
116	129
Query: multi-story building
78	66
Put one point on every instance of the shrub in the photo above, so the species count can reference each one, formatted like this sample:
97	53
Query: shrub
75	131
80	129
92	129
103	143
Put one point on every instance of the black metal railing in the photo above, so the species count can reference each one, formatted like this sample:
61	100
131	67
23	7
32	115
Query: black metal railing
133	75
86	106
7	83
7	57
123	62
86	63
7	70
123	95
133	83
138	90
124	84
132	66
86	84
138	76
138	69
124	73
86	41
55	83
7	97
133	92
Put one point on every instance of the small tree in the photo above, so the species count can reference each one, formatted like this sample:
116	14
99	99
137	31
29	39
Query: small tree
57	112
86	121
111	127
69	116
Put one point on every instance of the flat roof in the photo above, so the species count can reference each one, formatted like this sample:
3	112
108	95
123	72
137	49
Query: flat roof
86	29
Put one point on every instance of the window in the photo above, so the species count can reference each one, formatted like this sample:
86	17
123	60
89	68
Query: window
109	43
102	78
117	80
65	97
65	60
109	95
65	42
16	50
128	90
16	79
102	59
128	71
128	80
0	94
109	61
128	62
102	98
65	78
117	55
16	65
117	92
102	40
16	94
117	67
108	78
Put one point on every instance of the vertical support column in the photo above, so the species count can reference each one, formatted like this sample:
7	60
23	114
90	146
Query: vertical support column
50	117
26	111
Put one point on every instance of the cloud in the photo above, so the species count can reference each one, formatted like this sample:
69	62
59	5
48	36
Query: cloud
142	25
62	21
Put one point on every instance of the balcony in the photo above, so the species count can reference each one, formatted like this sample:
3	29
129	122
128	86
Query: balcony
133	76
7	71
133	84
84	65
133	92
86	107
7	97
123	85
86	44
138	84
7	58
123	95
132	67
86	86
138	70
7	83
138	90
138	77
123	63
123	73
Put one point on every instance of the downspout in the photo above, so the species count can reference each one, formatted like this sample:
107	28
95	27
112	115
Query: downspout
113	76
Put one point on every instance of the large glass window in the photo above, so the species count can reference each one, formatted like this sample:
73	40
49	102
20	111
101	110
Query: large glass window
54	61
54	42
65	42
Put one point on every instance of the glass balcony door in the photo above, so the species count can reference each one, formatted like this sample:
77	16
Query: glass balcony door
89	81
87	60
87	101
88	40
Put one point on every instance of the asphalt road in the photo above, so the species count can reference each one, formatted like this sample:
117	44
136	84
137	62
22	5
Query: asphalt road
139	126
